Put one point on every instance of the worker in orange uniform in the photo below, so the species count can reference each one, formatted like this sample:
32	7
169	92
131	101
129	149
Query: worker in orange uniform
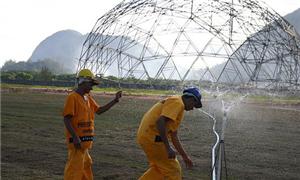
79	112
159	125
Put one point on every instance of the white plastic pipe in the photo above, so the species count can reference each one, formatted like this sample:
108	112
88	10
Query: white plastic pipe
213	151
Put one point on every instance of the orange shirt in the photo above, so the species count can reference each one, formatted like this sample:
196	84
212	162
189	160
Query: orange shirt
172	108
83	111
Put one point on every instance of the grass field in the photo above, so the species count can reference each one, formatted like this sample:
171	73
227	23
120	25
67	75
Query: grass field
262	141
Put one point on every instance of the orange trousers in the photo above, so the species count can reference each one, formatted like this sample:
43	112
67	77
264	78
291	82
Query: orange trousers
160	167
79	165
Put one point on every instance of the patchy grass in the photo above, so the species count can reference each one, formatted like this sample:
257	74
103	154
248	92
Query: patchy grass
261	141
140	92
289	99
6	85
127	91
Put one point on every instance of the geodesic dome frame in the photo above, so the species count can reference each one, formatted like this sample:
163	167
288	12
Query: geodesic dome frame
222	41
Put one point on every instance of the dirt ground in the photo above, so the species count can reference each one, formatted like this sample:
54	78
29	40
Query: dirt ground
261	140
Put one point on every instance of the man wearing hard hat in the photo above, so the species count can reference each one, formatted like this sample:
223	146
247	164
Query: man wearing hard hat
158	126
79	112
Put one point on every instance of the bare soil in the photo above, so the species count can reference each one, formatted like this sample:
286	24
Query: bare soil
261	140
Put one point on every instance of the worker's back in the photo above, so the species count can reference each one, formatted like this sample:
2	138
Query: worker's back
171	107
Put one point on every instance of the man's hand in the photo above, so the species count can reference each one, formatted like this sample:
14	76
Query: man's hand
171	153
118	96
188	162
76	142
106	107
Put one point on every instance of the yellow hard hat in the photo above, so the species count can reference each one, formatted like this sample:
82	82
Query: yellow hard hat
85	75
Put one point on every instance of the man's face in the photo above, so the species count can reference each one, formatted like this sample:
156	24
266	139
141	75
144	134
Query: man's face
87	87
190	104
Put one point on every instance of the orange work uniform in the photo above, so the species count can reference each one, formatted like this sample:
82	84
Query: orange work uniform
161	167
82	109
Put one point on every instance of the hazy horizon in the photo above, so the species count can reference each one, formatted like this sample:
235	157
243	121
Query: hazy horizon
28	23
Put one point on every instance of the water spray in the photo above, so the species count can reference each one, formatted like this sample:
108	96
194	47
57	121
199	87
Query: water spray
218	149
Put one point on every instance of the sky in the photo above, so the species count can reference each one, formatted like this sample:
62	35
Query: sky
25	23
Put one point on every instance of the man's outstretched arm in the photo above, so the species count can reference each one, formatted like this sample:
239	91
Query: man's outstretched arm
106	107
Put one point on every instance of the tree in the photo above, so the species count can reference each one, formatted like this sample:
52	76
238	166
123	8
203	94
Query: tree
65	77
45	74
52	65
8	75
24	76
